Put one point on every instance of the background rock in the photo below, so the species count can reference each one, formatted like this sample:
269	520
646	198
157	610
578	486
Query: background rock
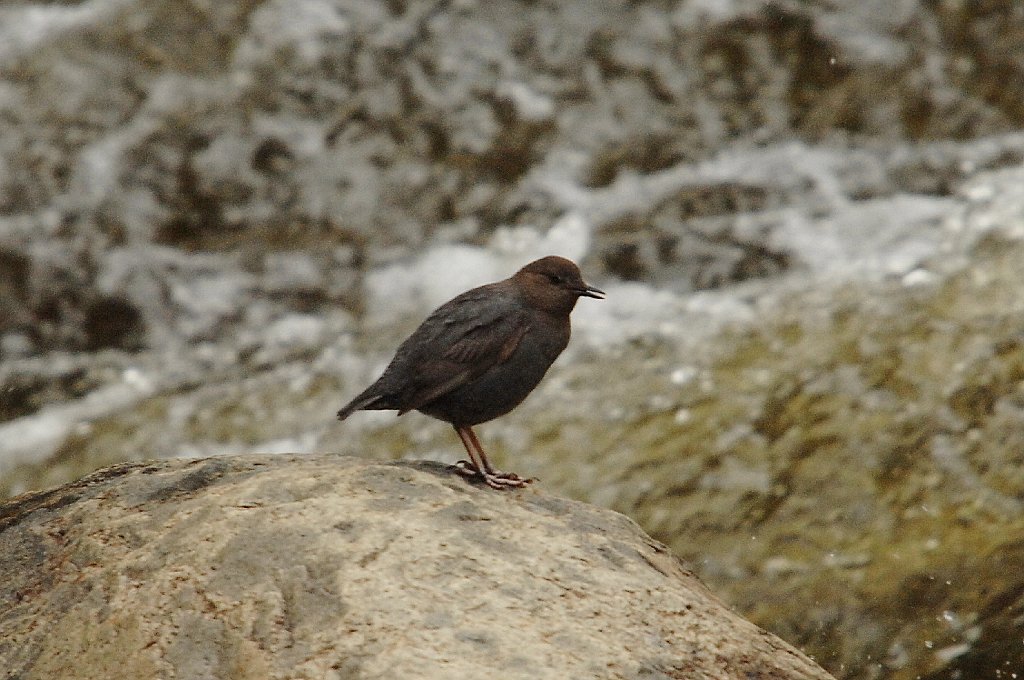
328	567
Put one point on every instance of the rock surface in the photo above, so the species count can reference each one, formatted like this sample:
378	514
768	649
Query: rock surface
330	567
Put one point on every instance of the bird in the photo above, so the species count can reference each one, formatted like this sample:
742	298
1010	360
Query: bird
479	355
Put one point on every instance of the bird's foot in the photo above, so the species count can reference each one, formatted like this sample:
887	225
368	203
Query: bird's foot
493	478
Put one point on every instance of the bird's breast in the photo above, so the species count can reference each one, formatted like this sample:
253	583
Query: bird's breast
499	389
549	334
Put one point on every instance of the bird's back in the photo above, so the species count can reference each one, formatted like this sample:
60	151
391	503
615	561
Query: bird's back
461	340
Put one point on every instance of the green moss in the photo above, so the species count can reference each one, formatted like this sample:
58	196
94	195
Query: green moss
833	465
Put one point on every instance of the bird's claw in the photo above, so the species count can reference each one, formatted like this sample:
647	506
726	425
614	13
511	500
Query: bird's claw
493	478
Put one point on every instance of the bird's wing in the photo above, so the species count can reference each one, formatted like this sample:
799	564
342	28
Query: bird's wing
461	340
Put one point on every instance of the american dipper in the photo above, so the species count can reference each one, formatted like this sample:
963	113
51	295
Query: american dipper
477	356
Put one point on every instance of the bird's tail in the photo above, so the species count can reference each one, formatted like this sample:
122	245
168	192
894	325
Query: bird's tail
363	401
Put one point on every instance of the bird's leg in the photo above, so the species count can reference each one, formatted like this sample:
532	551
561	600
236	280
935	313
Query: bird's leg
473	466
479	465
487	465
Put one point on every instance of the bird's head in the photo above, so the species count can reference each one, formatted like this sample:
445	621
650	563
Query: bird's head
554	284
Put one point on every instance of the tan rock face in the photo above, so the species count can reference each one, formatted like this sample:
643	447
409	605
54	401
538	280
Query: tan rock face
329	567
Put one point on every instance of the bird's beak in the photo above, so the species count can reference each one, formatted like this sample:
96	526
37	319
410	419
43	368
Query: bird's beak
591	292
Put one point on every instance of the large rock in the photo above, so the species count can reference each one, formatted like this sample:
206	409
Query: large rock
329	567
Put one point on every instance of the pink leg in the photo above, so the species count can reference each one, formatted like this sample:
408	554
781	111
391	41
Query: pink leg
480	466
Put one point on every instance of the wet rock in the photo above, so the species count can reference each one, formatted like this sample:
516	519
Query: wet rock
377	128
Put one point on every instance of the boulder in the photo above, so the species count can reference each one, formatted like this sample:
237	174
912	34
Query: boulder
321	566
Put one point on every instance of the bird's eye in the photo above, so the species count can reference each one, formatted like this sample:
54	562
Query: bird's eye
554	278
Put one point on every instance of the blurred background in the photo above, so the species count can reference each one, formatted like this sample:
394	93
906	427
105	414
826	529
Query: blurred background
218	219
